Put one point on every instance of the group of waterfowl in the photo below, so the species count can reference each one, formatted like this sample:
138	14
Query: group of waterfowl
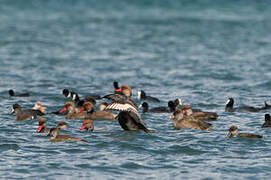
128	117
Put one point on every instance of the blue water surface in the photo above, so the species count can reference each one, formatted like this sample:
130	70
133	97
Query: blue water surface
201	51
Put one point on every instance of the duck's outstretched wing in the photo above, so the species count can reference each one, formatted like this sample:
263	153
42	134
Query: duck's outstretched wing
93	96
123	106
115	97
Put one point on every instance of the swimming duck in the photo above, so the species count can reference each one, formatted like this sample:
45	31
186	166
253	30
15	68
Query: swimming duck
56	137
230	103
25	114
145	106
188	122
179	105
42	126
233	131
91	114
38	106
73	112
267	122
80	102
88	125
12	93
142	96
204	116
266	106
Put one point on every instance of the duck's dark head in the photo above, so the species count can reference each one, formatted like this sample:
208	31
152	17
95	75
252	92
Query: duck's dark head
117	89
230	102
11	92
171	106
15	107
229	105
141	94
62	125
233	131
267	117
178	101
65	92
145	106
116	85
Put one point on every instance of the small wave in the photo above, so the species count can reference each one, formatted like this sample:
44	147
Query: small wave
6	147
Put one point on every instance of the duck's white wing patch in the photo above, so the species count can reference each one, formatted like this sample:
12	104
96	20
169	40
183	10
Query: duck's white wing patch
117	106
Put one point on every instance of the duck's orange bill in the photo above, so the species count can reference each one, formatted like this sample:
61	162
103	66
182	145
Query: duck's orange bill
82	110
118	90
40	128
82	128
171	117
63	110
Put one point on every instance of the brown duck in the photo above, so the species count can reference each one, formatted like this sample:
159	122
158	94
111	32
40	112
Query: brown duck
233	131
56	137
200	115
267	121
87	125
89	108
188	122
25	114
73	112
38	106
42	126
12	93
